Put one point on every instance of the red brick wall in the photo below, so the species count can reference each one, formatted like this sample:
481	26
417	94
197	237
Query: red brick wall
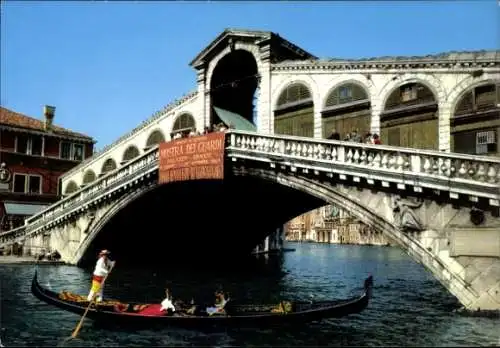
49	178
52	147
89	150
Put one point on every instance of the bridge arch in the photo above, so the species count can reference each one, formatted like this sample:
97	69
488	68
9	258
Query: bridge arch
130	153
184	124
294	110
475	119
409	116
233	83
322	191
89	176
155	138
346	106
108	166
110	213
358	208
71	187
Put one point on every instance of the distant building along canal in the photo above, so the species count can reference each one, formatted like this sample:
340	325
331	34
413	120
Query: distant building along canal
330	224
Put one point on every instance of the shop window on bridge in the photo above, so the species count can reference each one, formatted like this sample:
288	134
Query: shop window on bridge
476	121
27	183
70	188
155	138
294	113
108	166
130	153
88	177
29	145
411	110
347	108
184	124
482	142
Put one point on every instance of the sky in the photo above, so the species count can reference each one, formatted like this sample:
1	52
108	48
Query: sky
109	65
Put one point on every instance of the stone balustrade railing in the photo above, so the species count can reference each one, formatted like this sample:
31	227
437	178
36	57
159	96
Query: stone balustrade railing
12	235
80	199
475	176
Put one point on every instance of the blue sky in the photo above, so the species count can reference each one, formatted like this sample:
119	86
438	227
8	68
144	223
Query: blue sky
107	66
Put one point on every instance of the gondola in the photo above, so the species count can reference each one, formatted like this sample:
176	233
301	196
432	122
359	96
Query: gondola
235	315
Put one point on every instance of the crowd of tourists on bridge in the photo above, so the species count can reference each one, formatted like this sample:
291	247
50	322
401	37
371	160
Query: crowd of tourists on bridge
355	137
220	127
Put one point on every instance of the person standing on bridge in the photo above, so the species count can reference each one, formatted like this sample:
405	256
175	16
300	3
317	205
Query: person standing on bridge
102	268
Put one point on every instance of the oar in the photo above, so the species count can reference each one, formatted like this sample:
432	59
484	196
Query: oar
79	326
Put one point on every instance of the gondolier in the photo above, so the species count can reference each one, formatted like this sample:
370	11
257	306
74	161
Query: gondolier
102	268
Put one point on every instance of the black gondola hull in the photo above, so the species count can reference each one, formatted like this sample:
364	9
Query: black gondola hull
311	312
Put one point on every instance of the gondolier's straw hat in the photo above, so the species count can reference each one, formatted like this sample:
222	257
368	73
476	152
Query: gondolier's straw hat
104	252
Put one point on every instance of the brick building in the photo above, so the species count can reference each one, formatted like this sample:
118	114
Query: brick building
34	153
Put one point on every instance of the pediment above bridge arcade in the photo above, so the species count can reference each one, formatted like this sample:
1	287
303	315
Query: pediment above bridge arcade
271	46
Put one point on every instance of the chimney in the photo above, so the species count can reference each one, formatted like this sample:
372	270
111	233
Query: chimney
48	113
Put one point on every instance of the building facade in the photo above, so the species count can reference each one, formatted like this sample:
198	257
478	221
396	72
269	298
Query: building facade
33	155
330	224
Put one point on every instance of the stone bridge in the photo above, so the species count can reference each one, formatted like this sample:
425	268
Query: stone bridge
441	208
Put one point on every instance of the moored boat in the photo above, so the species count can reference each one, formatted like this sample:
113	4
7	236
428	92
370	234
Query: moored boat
235	315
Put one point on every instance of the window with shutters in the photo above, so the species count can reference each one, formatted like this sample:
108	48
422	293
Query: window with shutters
483	142
184	122
479	99
294	94
155	138
70	188
27	183
486	142
89	176
71	151
29	145
409	94
130	153
347	93
108	165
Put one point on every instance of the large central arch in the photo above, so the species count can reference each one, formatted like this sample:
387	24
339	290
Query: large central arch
214	219
233	85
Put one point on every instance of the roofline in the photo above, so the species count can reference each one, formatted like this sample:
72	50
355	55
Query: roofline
221	37
82	138
456	56
264	35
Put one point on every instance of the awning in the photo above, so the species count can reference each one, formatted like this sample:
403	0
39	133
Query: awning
23	208
235	120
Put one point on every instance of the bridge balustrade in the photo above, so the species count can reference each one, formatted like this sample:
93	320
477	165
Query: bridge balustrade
476	176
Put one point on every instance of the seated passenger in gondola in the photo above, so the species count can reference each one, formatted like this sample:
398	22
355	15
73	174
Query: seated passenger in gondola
220	303
167	304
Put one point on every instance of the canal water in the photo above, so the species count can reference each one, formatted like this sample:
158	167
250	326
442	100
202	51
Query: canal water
409	307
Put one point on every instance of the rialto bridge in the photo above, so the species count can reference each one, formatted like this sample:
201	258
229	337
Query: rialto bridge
433	186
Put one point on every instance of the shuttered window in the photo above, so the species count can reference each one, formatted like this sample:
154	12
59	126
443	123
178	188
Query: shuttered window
293	94
346	94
